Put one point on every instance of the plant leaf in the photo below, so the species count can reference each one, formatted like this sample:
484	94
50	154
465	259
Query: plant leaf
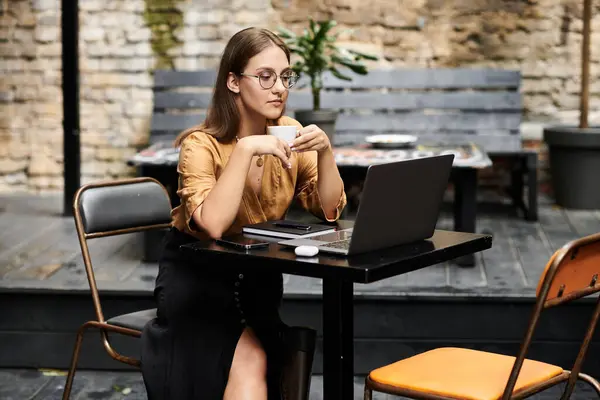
363	55
286	33
335	72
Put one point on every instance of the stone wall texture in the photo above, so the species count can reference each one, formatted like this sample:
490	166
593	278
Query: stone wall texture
121	42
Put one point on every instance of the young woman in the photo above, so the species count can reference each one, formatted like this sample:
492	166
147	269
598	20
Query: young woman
218	332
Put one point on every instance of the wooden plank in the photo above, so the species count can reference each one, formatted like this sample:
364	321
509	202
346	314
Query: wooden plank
468	278
429	78
24	242
434	276
293	285
185	100
22	384
483	101
144	272
419	121
486	101
583	222
41	261
120	264
555	227
502	268
19	230
101	249
532	248
416	121
426	78
171	122
163	136
170	78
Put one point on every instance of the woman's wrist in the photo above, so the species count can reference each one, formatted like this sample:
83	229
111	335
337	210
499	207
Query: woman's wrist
245	147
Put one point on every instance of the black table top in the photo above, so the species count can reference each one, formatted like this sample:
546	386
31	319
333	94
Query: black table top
360	268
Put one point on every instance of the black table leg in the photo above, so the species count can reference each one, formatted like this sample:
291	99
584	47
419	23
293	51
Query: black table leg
338	340
465	207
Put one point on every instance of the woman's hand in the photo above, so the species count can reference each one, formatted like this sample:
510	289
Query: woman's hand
268	144
311	138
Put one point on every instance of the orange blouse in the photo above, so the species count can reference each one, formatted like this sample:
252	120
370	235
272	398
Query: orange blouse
202	159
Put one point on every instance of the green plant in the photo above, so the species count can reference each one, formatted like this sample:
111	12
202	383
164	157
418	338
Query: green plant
319	53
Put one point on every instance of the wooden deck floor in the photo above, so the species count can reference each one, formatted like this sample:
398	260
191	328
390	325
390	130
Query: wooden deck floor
39	251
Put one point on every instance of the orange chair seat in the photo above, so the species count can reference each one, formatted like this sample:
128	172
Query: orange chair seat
461	373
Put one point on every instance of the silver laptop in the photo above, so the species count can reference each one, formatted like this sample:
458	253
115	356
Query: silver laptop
400	204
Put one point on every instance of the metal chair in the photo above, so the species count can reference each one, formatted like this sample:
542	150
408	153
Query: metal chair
456	373
108	209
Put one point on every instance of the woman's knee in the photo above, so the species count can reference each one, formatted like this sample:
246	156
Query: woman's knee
249	357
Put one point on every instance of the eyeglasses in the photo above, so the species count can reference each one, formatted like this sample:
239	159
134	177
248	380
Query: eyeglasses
267	79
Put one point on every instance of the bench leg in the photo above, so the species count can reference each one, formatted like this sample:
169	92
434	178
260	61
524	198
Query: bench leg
465	207
532	185
526	164
517	184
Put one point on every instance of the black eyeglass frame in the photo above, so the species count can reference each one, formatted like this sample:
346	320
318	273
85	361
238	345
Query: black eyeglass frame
290	74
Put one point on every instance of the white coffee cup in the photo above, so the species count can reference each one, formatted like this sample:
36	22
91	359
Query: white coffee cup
287	133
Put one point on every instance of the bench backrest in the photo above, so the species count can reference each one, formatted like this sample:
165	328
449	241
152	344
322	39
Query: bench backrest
438	105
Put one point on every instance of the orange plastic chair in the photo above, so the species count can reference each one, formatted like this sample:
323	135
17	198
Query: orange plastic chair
457	373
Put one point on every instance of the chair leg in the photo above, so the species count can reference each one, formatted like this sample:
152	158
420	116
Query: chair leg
591	381
74	359
368	391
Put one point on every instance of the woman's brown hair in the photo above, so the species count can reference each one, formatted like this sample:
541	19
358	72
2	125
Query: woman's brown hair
223	118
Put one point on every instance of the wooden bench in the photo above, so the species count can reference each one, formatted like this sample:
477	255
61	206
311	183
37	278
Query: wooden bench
481	106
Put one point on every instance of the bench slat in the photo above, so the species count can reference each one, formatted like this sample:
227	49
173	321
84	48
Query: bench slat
365	100
426	122
433	78
377	122
169	78
170	122
494	141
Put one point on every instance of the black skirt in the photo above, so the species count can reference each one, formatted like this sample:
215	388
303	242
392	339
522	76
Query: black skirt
203	308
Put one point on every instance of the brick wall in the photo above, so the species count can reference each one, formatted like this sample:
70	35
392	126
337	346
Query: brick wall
122	41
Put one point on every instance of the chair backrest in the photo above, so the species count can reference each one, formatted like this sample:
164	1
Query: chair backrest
114	208
572	273
438	104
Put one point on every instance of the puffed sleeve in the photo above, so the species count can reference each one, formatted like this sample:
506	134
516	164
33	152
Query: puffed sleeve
307	191
196	170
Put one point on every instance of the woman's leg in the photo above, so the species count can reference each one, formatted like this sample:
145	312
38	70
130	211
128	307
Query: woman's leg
248	373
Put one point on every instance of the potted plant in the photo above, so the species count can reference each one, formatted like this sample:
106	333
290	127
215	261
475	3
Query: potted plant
318	53
574	151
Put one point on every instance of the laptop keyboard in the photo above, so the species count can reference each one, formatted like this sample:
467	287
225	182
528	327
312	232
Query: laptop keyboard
338	244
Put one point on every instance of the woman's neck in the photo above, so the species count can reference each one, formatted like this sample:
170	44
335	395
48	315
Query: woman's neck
251	124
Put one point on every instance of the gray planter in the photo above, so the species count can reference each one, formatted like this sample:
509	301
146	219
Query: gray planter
324	119
574	156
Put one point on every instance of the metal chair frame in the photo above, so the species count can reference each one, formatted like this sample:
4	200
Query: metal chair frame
550	293
100	323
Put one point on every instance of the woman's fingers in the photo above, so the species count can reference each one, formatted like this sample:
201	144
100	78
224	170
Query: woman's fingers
303	139
285	160
312	144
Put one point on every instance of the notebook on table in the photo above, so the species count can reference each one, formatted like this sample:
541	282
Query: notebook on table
287	229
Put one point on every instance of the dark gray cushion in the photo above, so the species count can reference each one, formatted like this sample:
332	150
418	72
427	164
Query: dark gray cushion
135	320
125	206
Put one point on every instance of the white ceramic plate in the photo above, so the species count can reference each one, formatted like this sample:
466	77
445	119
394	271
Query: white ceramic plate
391	141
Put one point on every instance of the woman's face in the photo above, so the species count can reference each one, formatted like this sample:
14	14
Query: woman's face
257	98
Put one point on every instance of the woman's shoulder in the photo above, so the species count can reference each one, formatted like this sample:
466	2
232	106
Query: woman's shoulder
200	138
